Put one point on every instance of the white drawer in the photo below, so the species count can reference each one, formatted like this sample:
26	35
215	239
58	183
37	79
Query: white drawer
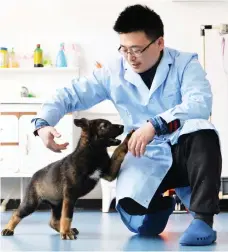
9	159
8	128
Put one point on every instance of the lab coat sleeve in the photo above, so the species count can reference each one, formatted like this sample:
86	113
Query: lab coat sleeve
79	95
196	95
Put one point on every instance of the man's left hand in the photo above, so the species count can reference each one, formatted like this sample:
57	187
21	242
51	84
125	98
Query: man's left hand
140	138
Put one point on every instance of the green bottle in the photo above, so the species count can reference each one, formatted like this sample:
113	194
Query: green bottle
38	56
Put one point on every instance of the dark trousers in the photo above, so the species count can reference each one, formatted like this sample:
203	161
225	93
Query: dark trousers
197	163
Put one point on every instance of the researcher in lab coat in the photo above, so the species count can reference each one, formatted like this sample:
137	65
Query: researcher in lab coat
163	94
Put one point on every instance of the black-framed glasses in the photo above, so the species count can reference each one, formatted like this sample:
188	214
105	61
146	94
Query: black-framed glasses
134	52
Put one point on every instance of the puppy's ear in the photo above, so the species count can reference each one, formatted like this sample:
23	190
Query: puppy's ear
83	123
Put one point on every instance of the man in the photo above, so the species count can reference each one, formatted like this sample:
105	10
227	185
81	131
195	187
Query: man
164	95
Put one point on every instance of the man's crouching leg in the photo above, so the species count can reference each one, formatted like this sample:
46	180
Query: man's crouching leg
146	222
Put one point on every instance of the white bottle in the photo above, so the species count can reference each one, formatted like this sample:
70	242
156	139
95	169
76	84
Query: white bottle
73	56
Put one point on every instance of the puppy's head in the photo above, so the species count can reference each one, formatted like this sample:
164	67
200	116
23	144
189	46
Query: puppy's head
99	128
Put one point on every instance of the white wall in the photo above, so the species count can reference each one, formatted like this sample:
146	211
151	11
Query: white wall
89	23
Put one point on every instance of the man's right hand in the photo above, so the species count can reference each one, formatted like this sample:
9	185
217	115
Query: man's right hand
47	134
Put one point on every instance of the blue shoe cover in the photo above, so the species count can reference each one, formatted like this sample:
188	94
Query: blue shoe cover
154	224
149	224
199	233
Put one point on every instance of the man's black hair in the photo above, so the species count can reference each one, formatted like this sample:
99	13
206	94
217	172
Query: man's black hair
137	18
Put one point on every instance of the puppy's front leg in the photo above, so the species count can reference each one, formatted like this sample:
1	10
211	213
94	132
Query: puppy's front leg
66	218
117	158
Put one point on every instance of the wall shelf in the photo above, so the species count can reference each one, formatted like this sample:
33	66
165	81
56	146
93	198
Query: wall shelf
22	100
40	70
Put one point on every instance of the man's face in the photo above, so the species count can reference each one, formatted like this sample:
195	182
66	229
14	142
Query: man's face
131	45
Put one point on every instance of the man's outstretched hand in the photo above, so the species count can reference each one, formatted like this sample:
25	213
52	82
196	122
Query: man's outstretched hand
47	134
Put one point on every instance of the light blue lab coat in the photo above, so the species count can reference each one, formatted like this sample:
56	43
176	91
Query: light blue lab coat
179	90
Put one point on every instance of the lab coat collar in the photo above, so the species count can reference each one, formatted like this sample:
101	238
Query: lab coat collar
159	78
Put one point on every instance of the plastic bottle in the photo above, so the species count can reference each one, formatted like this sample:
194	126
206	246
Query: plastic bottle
61	57
38	56
73	56
12	59
3	57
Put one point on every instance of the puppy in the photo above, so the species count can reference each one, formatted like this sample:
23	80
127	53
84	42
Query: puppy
62	182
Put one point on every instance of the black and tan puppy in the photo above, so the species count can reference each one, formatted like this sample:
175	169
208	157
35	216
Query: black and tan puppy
61	183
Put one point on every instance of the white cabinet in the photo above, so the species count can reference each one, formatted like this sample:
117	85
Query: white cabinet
9	150
8	128
23	153
34	155
9	159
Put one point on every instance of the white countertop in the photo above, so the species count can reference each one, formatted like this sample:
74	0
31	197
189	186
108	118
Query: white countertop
28	104
21	100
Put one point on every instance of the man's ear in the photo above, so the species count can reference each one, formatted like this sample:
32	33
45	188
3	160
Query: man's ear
83	122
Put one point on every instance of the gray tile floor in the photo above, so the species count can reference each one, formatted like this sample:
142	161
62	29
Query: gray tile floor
104	232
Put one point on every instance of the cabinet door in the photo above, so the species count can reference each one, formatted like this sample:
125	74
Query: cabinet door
9	160
8	128
34	154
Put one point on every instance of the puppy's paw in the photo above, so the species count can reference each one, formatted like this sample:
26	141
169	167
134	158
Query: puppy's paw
128	136
75	231
7	232
130	133
69	235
